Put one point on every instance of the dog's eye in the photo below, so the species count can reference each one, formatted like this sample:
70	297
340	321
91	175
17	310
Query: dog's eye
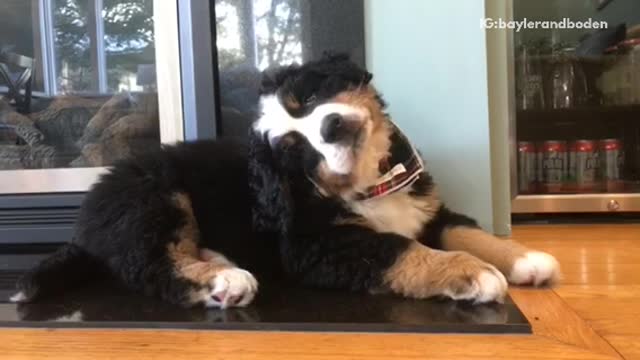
310	99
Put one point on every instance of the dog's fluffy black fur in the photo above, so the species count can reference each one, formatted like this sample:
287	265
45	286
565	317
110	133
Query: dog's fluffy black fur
257	202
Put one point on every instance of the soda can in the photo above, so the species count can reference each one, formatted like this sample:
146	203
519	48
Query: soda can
583	165
539	156
611	164
526	167
553	164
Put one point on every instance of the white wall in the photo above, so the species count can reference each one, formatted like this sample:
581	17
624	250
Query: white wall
429	61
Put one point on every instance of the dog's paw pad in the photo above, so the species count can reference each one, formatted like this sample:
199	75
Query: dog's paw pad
232	287
535	268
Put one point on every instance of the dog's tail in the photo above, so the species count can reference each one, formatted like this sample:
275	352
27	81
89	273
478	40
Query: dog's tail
69	267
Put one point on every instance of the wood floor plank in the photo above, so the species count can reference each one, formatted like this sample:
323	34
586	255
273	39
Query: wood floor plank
611	273
194	345
628	346
601	282
589	251
611	309
550	316
602	232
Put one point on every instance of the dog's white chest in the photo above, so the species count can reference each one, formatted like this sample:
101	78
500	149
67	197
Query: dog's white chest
398	213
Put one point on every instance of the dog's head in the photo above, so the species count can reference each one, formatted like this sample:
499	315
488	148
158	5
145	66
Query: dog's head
330	104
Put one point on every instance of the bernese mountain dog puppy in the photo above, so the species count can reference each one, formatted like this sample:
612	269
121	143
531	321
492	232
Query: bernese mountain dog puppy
327	192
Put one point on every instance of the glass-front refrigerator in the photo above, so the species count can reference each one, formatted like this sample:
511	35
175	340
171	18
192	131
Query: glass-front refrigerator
577	106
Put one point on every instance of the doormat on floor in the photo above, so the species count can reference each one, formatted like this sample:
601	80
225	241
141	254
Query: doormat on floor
276	308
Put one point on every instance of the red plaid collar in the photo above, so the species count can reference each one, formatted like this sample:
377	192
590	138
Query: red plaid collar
400	169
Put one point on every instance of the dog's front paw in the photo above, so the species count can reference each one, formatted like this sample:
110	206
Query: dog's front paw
422	273
476	281
535	268
233	287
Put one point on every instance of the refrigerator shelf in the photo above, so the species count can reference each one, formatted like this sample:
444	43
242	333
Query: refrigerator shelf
576	203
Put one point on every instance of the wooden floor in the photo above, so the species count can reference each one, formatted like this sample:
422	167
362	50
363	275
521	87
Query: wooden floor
593	314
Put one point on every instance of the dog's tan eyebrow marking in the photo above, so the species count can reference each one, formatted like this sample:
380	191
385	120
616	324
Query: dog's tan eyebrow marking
361	97
291	102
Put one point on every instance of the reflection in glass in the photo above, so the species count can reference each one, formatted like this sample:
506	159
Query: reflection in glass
72	46
258	32
129	46
16	29
78	82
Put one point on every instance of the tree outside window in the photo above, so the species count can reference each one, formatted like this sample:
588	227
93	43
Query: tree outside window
126	36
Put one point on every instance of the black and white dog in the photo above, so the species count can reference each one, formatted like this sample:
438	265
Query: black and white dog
328	193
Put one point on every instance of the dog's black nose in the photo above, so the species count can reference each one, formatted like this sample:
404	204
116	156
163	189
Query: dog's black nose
333	129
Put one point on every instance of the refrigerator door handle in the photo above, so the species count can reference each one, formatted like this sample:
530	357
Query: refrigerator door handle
511	92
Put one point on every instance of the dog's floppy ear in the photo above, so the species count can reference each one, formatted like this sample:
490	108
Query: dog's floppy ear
340	63
273	78
272	202
268	83
367	76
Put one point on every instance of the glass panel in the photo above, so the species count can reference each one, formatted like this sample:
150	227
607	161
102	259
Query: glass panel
255	34
578	96
72	22
16	31
78	82
130	53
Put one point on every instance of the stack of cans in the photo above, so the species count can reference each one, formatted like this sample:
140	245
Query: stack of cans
556	166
